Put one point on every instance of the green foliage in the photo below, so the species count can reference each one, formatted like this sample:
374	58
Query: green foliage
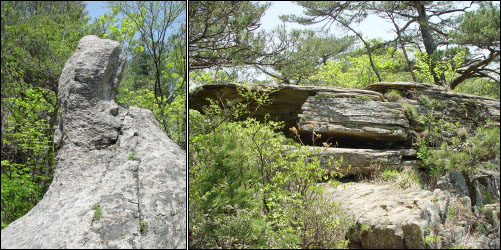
393	95
479	28
389	174
143	227
434	238
450	212
447	67
307	52
410	111
354	71
97	212
37	40
404	179
155	78
479	86
19	192
252	188
132	156
222	33
487	197
463	155
144	98
364	227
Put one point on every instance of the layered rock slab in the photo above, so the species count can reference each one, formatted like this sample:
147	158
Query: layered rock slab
338	113
360	161
465	108
117	159
355	117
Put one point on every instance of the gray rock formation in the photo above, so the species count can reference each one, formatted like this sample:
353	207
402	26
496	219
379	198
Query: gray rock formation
289	103
485	185
371	132
359	161
120	182
357	118
386	217
456	106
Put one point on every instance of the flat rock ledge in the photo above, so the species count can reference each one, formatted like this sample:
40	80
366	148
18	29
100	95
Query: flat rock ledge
359	161
353	117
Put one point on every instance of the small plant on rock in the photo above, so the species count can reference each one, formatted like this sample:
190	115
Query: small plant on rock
393	95
143	227
97	212
364	227
434	238
132	156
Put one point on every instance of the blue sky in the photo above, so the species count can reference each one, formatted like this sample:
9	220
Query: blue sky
95	9
372	27
98	8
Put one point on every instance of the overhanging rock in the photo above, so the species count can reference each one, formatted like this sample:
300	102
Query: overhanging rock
354	118
111	160
338	113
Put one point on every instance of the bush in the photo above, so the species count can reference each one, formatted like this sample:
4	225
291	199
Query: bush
405	179
393	95
250	187
464	155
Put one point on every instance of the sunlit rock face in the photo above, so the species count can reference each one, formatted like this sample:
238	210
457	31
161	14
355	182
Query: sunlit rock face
120	182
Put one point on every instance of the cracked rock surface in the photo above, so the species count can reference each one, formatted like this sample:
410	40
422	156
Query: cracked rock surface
116	158
388	218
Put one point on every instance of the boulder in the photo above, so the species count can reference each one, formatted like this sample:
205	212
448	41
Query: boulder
386	217
485	185
120	182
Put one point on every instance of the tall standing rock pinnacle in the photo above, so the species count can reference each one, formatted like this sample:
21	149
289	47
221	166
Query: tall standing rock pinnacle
120	182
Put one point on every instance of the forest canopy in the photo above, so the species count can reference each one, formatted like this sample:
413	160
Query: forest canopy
451	44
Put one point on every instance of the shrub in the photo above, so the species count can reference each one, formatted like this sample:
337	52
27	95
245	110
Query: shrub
393	95
410	111
404	179
467	155
132	156
250	187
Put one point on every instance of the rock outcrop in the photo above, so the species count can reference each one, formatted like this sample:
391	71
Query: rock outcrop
373	130
120	182
356	118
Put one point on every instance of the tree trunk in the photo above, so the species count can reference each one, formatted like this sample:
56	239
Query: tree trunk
429	43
